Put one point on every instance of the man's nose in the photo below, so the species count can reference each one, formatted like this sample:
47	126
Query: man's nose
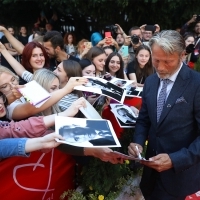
159	66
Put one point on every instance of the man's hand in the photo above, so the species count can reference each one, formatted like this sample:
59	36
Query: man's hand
119	29
132	150
160	163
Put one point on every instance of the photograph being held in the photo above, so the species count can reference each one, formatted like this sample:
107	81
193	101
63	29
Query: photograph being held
89	133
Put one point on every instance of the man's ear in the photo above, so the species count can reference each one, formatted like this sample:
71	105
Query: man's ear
182	56
57	49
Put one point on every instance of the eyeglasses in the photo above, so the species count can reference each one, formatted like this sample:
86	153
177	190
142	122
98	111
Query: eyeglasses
2	99
8	86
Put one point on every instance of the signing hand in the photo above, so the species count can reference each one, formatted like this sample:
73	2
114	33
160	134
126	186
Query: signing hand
160	163
132	150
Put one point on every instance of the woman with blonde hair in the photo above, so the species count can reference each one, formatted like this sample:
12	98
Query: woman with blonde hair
49	81
81	50
20	109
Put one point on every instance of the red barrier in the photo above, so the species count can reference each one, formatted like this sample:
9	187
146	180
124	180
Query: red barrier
39	177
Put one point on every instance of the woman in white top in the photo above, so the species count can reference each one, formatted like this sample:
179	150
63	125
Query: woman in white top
18	109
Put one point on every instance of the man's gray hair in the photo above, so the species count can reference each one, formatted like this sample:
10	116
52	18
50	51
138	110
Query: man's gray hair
169	41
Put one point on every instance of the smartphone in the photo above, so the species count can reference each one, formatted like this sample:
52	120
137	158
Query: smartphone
123	51
150	28
108	38
87	45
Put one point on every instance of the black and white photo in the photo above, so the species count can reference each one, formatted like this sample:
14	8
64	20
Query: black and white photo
124	115
129	86
86	132
101	86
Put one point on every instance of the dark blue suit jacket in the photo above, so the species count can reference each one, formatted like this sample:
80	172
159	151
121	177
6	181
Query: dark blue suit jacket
176	134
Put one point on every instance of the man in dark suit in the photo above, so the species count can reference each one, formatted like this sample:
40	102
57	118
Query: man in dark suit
172	130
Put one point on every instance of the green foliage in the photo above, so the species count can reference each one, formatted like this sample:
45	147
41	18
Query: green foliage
102	180
166	13
73	195
197	65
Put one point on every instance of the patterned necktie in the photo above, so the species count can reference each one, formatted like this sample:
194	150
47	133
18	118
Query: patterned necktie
162	98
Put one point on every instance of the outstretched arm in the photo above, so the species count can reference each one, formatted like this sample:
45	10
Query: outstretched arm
21	146
19	69
46	142
25	110
17	45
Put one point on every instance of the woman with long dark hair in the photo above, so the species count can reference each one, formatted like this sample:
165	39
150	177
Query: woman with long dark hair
141	67
115	65
98	57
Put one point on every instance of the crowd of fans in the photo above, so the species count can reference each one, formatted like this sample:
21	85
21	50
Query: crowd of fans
55	61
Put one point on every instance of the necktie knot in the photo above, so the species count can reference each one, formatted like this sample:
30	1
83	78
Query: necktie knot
165	81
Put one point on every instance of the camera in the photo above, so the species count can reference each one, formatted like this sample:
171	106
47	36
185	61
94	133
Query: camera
150	28
112	29
135	39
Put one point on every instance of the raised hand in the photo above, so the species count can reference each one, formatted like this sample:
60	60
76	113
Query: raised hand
74	108
75	81
119	30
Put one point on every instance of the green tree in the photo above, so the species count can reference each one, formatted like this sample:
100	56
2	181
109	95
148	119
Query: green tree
169	14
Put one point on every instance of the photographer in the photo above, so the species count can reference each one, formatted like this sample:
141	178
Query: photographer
148	31
192	26
135	34
134	40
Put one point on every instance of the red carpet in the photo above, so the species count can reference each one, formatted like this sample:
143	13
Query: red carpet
195	196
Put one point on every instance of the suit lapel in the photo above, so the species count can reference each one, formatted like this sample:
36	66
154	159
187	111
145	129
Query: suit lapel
178	88
154	91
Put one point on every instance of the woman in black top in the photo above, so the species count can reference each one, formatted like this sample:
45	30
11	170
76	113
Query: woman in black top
141	67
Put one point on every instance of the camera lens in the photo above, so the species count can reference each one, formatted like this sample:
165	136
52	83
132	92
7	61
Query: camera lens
135	39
